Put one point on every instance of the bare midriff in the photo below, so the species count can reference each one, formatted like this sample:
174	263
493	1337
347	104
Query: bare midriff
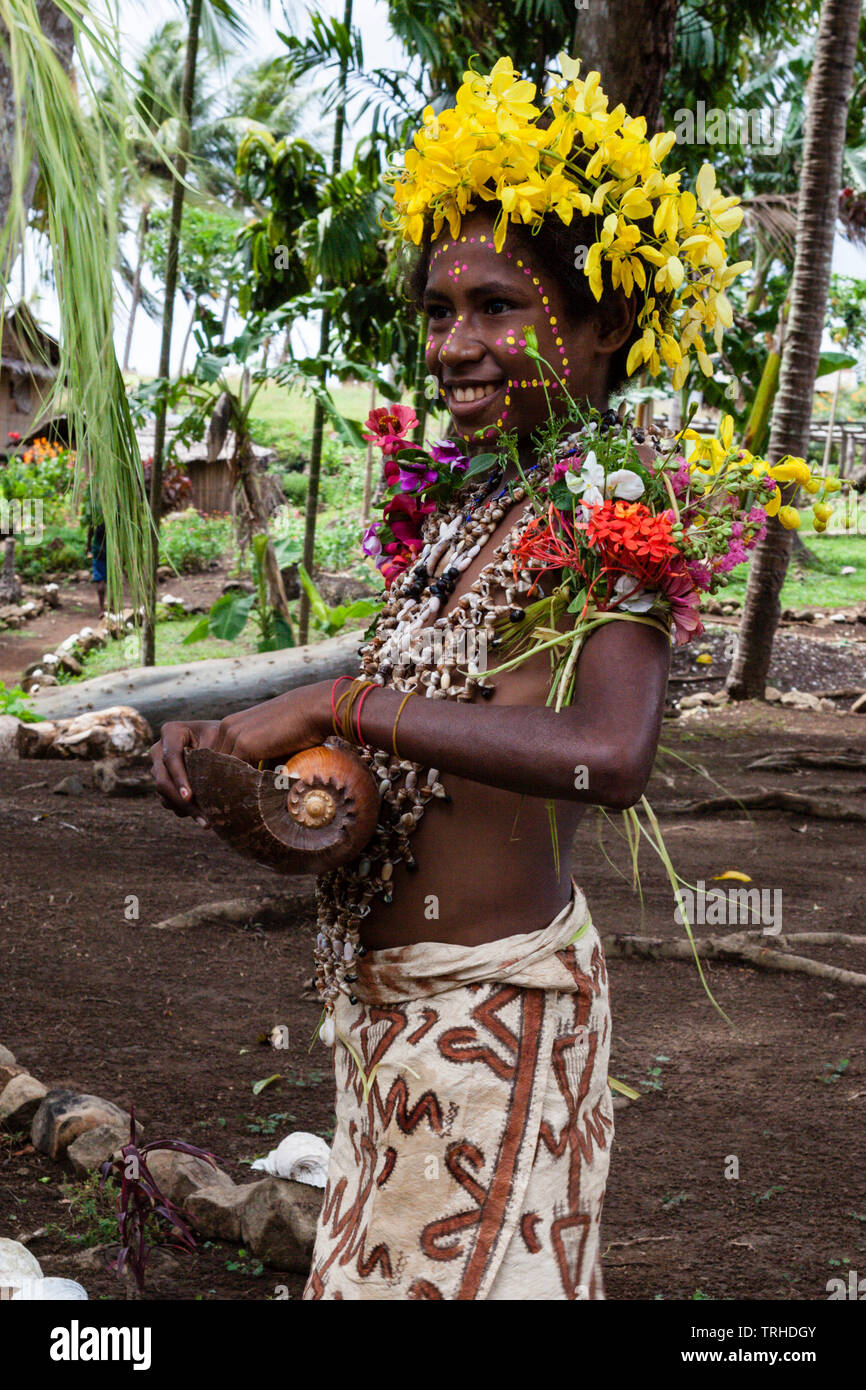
486	864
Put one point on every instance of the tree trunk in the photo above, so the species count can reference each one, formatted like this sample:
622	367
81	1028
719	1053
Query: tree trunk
312	500
186	337
245	471
136	283
631	46
368	468
208	689
829	96
183	144
10	589
57	27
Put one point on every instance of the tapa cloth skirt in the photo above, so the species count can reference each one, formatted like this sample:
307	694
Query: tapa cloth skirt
474	1121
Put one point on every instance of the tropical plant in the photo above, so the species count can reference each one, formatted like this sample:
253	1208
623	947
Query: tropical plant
829	94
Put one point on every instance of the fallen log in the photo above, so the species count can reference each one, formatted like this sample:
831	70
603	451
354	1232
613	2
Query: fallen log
774	800
274	909
204	689
734	950
787	760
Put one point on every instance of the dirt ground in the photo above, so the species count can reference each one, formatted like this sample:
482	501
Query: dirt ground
173	1023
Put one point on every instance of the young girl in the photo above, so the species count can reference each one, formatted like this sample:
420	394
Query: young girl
464	983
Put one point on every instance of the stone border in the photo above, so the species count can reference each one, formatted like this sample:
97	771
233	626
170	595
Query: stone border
275	1217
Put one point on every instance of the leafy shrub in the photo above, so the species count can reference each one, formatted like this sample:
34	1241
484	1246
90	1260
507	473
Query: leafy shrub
295	487
14	701
176	485
62	548
194	542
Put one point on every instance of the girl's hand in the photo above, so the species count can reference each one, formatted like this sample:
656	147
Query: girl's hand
169	771
275	729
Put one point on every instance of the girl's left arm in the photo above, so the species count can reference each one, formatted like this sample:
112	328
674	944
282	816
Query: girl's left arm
610	731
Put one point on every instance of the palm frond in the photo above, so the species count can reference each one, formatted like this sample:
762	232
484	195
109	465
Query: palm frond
76	165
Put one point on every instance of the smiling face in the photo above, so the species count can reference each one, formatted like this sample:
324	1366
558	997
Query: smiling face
479	303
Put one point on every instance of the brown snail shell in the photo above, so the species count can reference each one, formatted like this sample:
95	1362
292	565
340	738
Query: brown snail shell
315	812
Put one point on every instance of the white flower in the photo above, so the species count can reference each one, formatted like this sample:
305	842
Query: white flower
592	487
588	484
625	484
636	600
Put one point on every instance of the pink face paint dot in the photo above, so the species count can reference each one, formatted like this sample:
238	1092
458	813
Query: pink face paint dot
513	351
499	342
567	372
523	342
526	270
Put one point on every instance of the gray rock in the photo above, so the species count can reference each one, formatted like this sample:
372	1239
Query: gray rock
216	1211
7	1058
178	1175
8	736
69	786
278	1223
92	1148
63	1115
8	1070
859	705
20	1100
703	697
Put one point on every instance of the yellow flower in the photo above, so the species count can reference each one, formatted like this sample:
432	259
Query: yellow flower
492	146
822	511
789	470
790	518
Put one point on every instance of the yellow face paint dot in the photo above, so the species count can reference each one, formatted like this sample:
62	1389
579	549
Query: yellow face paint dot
535	279
523	384
534	382
463	238
559	342
565	361
520	263
483	238
509	340
552	321
545	299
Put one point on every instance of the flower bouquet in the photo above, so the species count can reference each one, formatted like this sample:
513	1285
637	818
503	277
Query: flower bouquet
614	536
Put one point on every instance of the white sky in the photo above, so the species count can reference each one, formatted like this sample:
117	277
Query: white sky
138	19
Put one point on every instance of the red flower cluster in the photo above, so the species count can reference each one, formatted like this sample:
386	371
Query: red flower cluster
628	537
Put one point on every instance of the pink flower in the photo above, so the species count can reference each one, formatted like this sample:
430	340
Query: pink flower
370	543
387	427
685	602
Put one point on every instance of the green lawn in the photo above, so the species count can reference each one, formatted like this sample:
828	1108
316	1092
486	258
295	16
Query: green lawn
824	586
170	650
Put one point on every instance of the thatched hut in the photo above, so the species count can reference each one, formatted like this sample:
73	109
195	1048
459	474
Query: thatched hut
29	358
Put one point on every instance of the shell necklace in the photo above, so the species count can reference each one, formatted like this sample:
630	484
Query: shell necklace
409	655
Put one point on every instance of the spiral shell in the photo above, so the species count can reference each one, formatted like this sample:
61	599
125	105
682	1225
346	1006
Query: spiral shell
309	815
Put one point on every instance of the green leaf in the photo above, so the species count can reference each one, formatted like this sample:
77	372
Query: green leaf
834	362
287	551
282	632
229	615
259	1086
198	633
480	464
318	607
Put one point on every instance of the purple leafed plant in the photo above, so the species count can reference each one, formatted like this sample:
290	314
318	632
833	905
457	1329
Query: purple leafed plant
142	1209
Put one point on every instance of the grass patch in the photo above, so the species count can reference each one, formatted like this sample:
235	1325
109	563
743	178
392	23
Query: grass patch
822	586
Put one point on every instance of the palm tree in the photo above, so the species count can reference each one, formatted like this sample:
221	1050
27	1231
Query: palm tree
829	96
200	12
50	136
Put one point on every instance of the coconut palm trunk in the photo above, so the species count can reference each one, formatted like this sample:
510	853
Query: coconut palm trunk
312	499
186	100
829	96
136	283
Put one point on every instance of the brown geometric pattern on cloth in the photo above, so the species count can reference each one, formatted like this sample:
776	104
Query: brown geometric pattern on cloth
470	1158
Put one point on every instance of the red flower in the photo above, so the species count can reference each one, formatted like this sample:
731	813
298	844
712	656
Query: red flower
627	536
14	436
388	425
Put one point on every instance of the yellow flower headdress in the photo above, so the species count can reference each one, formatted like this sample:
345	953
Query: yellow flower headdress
492	146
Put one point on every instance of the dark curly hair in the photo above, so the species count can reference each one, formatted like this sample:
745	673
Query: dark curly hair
553	244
